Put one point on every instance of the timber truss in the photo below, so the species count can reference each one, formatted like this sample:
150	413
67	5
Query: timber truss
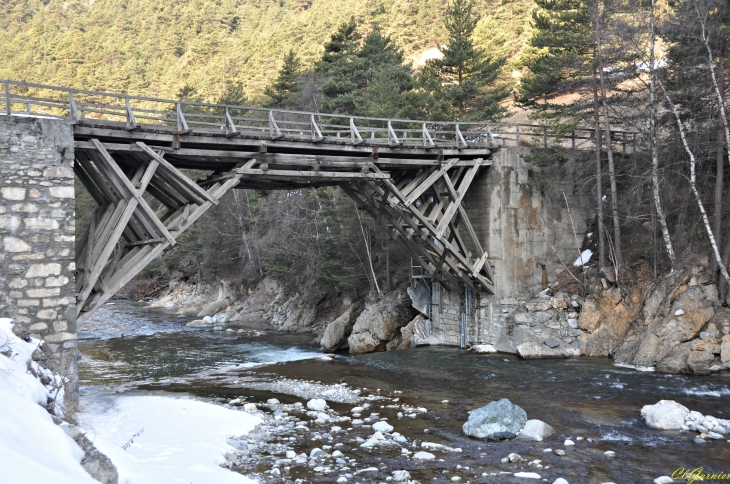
425	212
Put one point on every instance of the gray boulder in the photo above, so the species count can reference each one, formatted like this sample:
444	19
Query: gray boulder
536	430
497	420
419	297
379	322
336	333
214	307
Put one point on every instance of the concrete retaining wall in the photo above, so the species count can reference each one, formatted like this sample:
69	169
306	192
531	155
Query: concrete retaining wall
518	211
37	240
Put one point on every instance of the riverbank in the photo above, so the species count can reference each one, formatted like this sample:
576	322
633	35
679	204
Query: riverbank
589	398
674	324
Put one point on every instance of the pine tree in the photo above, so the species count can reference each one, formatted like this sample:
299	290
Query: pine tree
284	92
369	80
563	39
465	71
342	43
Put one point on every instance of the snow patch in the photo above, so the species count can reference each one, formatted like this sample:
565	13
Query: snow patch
585	256
32	448
183	439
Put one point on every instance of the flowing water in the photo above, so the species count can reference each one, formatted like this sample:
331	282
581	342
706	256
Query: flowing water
589	398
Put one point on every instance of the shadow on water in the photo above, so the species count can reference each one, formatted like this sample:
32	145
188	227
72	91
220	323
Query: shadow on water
589	398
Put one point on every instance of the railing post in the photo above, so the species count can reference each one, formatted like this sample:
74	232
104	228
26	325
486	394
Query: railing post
544	134
517	135
8	107
274	130
230	127
131	121
182	124
72	109
355	134
460	141
316	133
392	138
427	140
623	143
572	139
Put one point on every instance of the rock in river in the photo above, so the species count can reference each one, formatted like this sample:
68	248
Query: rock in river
536	428
497	420
665	415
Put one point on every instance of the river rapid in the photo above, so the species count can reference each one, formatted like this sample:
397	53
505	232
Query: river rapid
129	349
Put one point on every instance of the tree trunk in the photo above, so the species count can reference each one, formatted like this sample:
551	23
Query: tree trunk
720	174
654	149
693	186
599	178
617	252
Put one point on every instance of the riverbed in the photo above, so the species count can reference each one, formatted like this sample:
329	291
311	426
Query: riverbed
587	400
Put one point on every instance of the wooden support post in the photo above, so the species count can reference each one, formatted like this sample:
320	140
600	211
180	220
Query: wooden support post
131	121
73	112
182	124
316	133
229	126
427	140
355	134
274	130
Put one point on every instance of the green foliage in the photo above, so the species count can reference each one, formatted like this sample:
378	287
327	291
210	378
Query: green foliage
157	48
564	49
465	72
367	80
285	90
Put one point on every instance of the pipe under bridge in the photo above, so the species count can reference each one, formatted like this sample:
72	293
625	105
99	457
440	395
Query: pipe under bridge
135	153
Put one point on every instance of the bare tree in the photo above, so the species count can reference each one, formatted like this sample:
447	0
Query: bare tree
618	255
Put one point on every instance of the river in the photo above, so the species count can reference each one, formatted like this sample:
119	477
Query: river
587	400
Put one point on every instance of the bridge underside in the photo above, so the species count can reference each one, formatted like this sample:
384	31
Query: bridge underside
145	202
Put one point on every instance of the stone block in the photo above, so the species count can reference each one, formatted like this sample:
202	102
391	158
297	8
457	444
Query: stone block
12	193
40	223
24	207
9	222
44	270
47	314
17	283
38	327
62	192
60	337
43	292
28	302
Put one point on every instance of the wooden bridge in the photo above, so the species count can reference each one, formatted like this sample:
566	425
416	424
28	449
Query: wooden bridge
131	152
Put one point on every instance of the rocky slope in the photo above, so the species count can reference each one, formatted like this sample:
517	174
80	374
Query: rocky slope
675	325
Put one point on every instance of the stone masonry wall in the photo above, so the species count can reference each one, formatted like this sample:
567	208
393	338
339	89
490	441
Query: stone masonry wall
37	242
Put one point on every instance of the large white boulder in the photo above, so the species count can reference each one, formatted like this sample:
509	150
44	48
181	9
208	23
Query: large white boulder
536	430
317	404
665	415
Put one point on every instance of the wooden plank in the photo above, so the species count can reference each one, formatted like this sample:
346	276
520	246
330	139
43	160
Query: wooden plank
147	177
310	174
451	209
103	255
146	212
185	180
426	184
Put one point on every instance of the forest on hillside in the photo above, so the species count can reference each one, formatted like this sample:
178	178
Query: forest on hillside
653	67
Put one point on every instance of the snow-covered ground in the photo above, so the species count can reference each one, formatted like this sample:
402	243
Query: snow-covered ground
33	449
181	440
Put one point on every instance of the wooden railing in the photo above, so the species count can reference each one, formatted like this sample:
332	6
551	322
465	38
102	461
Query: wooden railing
184	117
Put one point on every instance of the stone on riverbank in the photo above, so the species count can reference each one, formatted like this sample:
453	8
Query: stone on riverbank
424	456
317	404
336	333
536	430
483	349
379	322
497	420
665	415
